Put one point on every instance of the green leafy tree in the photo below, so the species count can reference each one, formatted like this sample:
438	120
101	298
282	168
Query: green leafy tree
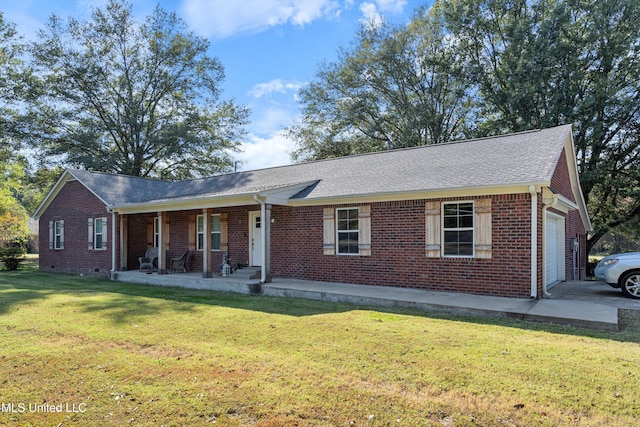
542	63
15	79
14	220
395	87
134	98
36	184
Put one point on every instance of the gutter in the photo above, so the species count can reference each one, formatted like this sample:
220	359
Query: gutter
113	242
534	242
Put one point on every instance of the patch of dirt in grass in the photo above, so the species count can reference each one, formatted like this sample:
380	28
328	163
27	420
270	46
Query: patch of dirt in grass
151	350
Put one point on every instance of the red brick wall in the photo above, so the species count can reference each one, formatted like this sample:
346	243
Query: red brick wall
74	204
574	229
397	245
397	254
560	180
397	250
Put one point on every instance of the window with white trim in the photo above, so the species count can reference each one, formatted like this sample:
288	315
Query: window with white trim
216	232
58	234
97	234
458	229
347	231
100	230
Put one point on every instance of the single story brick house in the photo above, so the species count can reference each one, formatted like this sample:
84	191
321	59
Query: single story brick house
501	216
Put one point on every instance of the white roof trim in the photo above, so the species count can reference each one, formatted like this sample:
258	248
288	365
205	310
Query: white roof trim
278	196
574	177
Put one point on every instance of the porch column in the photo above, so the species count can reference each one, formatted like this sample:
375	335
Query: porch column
163	237
266	242
206	243
124	242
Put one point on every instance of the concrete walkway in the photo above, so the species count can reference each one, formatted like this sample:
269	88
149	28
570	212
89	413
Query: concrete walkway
583	304
587	314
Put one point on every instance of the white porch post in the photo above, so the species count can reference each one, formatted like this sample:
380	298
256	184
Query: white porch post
206	243
162	237
266	244
124	238
265	234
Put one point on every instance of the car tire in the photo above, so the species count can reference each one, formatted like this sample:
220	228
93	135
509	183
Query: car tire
630	284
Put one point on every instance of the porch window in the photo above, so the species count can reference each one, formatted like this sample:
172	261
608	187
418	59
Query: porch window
216	232
348	231
156	232
458	229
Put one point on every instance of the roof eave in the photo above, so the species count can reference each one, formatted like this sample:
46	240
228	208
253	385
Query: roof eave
184	204
574	177
277	196
488	190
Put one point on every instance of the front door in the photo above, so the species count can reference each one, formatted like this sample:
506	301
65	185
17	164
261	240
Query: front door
255	238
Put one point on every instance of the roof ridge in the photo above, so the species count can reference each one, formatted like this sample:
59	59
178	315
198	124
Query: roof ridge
146	178
341	158
397	150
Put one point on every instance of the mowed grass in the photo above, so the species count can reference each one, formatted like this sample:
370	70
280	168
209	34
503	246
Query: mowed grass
110	353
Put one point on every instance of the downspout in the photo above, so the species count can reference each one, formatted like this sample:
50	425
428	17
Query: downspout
545	292
534	241
113	243
263	261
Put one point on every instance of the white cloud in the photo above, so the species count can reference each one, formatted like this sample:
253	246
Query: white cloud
392	6
260	153
273	105
225	18
370	15
270	119
373	12
275	85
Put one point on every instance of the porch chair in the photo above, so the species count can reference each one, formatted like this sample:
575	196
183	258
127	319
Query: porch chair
146	261
179	263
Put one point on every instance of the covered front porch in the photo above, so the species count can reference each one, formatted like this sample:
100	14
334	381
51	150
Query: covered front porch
209	230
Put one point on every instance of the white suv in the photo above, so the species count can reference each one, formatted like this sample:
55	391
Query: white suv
621	271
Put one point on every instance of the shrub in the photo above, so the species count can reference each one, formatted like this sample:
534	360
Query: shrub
12	257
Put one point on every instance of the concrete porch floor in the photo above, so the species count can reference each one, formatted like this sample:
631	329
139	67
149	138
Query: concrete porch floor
570	303
191	281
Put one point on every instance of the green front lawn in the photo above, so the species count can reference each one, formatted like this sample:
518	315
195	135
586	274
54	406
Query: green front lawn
109	353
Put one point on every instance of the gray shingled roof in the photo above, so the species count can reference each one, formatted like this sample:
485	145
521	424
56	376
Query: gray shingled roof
517	159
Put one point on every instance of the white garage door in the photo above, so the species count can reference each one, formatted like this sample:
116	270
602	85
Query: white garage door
552	249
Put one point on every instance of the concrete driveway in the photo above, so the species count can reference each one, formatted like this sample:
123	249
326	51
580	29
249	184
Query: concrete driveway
594	292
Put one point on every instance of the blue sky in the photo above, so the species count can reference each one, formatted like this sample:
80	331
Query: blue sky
269	48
